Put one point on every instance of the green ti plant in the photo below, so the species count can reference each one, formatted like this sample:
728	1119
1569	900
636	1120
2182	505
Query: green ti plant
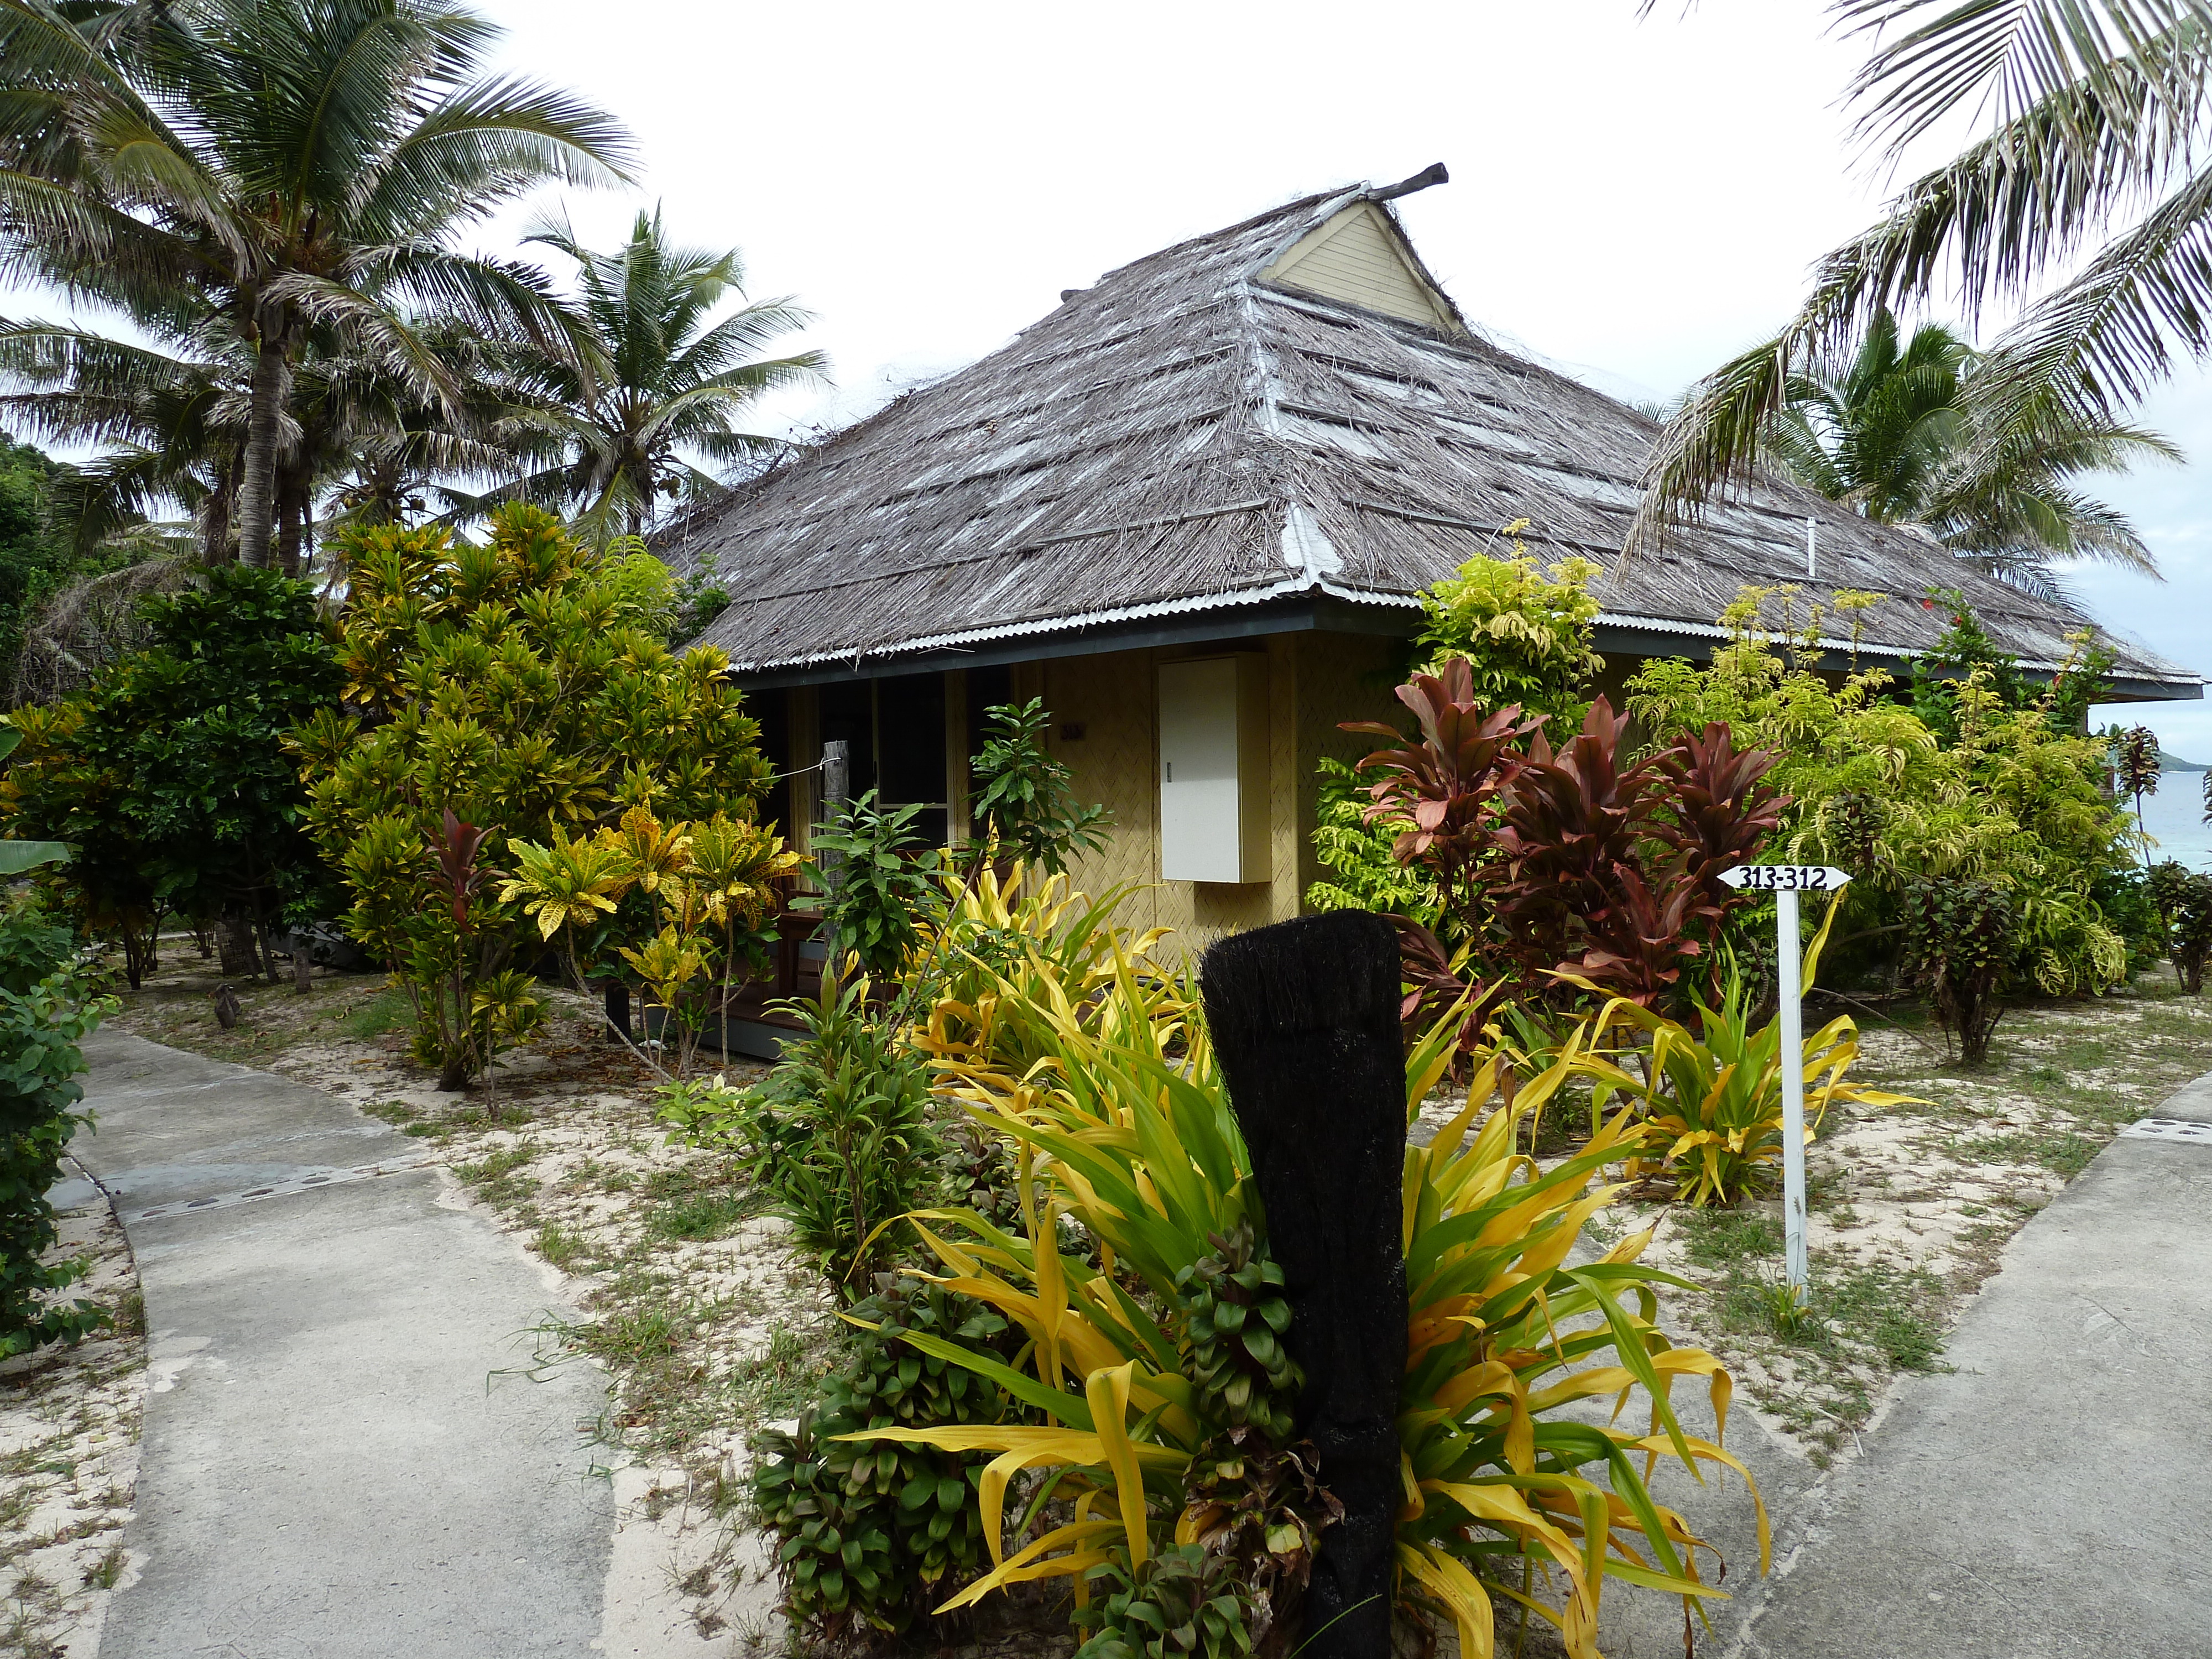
1713	1097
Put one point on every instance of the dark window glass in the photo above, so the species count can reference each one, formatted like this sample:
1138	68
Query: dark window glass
773	710
910	739
846	709
988	688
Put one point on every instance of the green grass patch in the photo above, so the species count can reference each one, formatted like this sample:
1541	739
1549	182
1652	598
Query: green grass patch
494	1175
2064	1153
389	1010
559	1246
1728	1238
635	1336
699	1215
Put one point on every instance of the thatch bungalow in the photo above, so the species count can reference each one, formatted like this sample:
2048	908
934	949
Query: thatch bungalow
1191	508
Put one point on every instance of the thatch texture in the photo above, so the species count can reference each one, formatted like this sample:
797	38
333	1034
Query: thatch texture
1188	437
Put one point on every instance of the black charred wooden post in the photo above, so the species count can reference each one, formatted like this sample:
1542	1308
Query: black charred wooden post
1304	1018
617	997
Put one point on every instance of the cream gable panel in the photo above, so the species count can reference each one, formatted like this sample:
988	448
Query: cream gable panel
1356	257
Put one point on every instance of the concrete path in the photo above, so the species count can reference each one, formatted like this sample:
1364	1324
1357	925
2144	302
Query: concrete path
331	1468
2047	1498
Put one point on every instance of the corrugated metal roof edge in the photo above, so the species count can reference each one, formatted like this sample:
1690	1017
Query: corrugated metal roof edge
1287	588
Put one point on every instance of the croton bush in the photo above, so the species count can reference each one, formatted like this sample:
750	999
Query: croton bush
502	699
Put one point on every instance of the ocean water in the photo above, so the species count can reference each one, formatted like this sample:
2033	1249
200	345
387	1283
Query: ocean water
2175	819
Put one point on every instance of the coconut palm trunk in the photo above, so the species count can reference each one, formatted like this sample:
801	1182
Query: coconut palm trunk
257	491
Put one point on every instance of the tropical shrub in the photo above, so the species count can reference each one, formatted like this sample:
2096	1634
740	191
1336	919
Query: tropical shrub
837	1134
1025	799
695	897
1183	1603
2014	797
1356	849
1525	640
868	1535
2184	900
1714	1096
169	776
879	883
48	1004
522	688
1962	939
1566	861
1524	635
1110	1095
2123	898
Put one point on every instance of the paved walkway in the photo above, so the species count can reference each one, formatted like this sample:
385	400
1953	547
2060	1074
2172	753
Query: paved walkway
2045	1498
330	1470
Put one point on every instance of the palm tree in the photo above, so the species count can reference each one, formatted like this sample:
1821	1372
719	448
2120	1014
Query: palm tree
282	164
1895	432
172	425
170	422
639	375
2084	202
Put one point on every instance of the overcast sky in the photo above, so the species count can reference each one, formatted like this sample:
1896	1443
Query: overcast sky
1633	200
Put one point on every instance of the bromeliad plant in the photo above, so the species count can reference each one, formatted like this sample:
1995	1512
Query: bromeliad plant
1712	1098
1139	1278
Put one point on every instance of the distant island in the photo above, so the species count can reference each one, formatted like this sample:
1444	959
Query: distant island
2174	763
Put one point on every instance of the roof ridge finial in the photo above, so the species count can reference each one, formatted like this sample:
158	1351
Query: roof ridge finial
1434	173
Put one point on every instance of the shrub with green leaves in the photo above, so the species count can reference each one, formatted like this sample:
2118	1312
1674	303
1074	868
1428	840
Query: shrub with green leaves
1025	799
519	687
1526	633
2005	793
871	1535
48	1006
2183	898
1526	637
838	1134
1182	1603
1364	874
878	884
169	774
1962	943
1235	1313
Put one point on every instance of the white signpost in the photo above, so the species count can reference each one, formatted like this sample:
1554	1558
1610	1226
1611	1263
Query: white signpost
1785	882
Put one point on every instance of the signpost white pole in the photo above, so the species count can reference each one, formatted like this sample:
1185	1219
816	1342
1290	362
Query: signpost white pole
1785	882
1793	1085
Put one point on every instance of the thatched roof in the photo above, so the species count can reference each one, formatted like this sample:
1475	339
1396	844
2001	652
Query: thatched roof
1195	440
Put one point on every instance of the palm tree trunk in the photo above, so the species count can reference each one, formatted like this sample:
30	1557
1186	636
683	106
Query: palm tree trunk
291	518
215	528
257	495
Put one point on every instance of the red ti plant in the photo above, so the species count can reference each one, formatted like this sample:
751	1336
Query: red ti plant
1722	810
1623	866
1563	861
1445	779
457	872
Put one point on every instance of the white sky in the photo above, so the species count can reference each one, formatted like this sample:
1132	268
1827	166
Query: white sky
1633	200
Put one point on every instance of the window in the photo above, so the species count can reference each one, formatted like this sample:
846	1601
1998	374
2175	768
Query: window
894	735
